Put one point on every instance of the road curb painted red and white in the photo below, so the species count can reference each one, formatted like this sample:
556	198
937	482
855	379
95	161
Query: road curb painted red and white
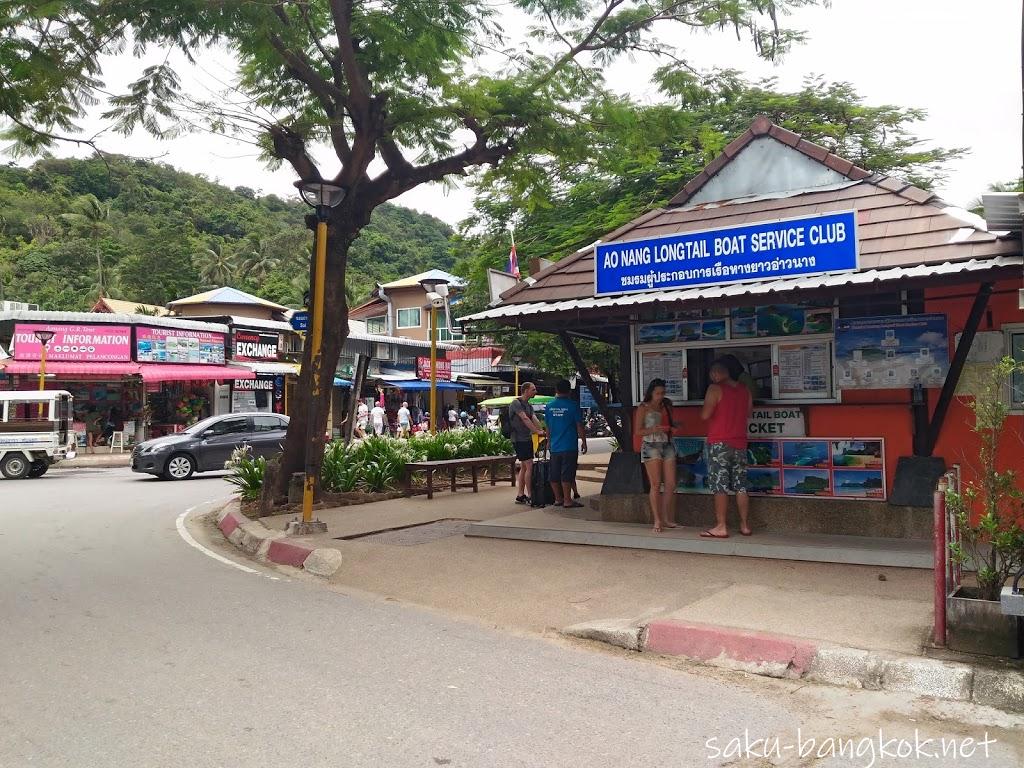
255	539
793	658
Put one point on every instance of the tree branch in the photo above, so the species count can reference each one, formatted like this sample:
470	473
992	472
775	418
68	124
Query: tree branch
358	83
289	146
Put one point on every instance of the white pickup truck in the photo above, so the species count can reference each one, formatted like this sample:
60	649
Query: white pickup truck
35	432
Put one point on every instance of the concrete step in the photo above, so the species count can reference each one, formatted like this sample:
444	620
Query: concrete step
548	525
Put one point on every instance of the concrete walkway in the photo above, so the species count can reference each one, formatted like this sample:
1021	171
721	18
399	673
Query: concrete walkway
541	525
535	586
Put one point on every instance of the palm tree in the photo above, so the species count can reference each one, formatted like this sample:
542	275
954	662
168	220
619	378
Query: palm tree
91	216
217	265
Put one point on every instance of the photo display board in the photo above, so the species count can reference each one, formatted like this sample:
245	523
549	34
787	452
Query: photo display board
175	345
892	352
820	467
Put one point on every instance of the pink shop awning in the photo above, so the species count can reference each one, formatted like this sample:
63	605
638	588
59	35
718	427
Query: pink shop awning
171	372
31	368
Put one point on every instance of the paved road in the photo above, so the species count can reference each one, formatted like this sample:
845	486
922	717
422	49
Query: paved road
122	645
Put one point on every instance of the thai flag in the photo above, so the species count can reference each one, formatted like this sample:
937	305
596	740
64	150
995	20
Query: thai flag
513	261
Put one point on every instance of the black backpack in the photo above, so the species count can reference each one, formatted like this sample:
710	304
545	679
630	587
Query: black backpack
505	421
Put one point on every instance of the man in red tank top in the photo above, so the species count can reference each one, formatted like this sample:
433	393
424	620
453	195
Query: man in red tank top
726	409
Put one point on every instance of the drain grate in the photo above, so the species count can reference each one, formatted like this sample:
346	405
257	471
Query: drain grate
420	533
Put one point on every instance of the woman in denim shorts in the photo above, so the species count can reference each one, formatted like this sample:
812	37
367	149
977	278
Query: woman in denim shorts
657	452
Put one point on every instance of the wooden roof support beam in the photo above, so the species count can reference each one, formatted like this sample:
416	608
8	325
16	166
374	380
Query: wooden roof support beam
956	367
602	401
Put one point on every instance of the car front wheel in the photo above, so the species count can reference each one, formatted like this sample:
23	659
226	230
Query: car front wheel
180	466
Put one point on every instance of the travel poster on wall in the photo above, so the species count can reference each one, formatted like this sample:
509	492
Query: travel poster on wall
780	320
893	352
707	329
691	467
847	468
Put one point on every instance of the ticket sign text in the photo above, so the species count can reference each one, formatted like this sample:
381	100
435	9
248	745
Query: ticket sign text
788	248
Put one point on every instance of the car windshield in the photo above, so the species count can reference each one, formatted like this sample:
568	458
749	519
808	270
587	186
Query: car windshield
199	426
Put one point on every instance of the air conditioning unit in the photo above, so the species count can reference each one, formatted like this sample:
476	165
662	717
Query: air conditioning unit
1004	211
17	306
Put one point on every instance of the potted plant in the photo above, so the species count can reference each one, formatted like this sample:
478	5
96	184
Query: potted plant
988	513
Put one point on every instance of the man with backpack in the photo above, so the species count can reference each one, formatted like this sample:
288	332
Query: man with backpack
522	424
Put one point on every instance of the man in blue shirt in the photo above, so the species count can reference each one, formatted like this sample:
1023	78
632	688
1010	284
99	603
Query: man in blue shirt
565	424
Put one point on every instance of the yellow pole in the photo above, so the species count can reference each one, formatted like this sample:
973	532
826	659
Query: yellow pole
316	339
42	375
433	370
516	393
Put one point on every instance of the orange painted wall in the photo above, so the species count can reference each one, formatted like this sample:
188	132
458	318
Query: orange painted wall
887	414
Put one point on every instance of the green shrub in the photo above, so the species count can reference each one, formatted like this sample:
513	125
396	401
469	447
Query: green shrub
341	471
246	474
989	512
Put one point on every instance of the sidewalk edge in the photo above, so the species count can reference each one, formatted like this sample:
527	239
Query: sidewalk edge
793	658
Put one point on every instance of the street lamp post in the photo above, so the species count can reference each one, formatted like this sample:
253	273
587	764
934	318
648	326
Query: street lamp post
516	360
44	338
321	196
437	295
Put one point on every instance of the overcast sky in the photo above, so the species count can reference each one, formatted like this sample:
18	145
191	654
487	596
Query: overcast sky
959	61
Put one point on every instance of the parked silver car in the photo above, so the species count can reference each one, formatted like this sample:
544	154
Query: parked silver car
206	445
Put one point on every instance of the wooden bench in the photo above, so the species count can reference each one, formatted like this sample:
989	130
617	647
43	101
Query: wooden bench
452	466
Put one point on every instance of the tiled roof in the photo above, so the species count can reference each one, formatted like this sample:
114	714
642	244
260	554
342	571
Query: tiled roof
119	307
434	274
226	295
897	224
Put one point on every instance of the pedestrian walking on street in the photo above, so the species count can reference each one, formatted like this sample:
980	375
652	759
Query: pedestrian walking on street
657	452
523	425
362	419
404	420
727	407
378	416
568	440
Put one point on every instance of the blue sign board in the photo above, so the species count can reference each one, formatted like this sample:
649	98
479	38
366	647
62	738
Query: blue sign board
786	248
587	399
300	321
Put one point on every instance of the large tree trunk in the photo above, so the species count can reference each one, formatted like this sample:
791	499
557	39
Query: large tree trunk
343	229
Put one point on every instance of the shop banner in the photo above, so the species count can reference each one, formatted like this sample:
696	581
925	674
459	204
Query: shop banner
831	468
74	343
254	345
443	370
787	248
175	345
893	352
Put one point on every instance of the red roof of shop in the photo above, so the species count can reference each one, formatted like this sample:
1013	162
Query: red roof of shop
31	367
171	372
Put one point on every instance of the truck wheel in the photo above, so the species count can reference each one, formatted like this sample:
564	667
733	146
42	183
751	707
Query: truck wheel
180	467
14	466
38	468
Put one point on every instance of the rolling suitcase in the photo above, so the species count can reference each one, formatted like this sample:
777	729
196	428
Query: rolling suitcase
541	492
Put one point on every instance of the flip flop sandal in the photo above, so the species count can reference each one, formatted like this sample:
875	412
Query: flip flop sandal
709	535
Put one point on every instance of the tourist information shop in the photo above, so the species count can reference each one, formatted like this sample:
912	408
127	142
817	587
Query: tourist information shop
861	308
148	375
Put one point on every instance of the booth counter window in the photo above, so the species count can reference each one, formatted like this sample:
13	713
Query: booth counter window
786	352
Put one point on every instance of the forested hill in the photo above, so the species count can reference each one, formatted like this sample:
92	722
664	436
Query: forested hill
145	232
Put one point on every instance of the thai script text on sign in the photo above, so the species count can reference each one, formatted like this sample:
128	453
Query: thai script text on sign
791	247
77	343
